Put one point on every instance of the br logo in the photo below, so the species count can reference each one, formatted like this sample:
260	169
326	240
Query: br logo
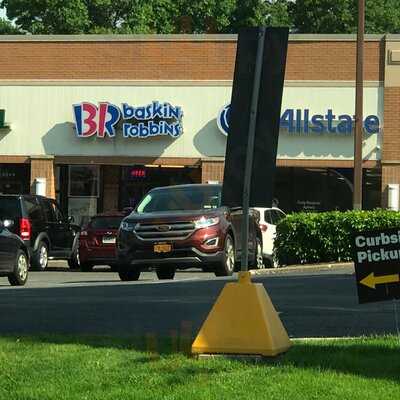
91	119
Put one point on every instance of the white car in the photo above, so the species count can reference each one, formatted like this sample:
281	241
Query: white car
269	217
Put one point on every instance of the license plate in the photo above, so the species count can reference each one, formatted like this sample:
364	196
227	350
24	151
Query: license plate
109	239
162	248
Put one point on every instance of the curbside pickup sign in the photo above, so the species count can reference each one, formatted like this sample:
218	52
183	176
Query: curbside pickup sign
377	265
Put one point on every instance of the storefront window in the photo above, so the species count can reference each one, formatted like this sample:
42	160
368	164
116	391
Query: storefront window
372	182
82	208
14	178
137	180
314	189
84	181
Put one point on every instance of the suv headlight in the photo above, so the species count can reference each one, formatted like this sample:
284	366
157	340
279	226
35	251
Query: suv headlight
127	226
204	222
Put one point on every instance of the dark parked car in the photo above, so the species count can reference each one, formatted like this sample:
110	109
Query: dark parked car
39	222
14	257
184	226
97	240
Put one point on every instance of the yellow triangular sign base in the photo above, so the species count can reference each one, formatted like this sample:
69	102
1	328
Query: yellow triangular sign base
242	321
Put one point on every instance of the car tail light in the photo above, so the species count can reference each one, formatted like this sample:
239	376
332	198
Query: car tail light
25	228
263	227
83	233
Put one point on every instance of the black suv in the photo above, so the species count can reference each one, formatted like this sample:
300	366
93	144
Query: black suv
39	222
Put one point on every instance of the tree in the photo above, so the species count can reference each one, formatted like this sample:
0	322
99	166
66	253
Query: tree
323	16
196	16
7	28
278	13
143	16
382	16
340	16
213	16
48	16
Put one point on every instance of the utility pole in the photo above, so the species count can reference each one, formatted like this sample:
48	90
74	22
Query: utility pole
358	133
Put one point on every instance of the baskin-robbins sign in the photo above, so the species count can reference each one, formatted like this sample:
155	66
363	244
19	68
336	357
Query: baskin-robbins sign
301	121
106	119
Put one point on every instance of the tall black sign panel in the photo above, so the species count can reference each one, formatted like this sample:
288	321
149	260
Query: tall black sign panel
377	265
268	115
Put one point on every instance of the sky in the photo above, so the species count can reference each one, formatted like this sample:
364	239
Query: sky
2	13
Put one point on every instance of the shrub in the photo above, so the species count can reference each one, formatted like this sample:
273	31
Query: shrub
326	236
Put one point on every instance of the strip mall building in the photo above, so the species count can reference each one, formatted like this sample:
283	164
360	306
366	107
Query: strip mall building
105	118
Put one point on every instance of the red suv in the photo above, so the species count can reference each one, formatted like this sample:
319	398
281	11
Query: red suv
184	226
97	240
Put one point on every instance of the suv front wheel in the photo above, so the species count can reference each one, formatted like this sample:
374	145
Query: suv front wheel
129	275
40	258
228	258
165	273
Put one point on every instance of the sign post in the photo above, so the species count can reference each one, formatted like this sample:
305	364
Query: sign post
243	320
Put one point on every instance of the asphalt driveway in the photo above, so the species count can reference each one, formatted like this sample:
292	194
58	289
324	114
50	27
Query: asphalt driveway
63	301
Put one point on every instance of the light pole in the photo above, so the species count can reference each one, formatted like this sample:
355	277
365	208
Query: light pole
358	133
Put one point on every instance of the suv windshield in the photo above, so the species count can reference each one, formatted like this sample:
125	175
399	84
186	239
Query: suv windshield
105	222
9	208
181	198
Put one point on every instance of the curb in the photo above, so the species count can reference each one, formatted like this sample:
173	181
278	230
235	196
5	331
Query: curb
304	268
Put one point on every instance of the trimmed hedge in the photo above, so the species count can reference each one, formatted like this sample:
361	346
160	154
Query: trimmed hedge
327	236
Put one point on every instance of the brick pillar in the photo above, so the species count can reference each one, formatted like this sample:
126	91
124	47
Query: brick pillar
391	130
390	141
212	170
43	167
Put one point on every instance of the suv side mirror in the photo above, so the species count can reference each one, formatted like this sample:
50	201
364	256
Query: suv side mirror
71	219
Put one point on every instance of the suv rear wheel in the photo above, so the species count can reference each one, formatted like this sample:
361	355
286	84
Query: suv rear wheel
228	258
165	272
40	257
19	276
129	275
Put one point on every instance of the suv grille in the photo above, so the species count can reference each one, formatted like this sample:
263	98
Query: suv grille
172	231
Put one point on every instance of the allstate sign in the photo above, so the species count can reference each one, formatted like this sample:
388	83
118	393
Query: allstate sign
154	119
223	119
301	121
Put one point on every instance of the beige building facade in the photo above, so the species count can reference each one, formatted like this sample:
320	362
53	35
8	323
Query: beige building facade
105	118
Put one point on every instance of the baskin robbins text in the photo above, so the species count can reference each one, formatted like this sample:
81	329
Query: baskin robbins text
104	120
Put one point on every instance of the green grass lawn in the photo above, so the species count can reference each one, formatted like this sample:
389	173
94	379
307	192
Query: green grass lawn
64	367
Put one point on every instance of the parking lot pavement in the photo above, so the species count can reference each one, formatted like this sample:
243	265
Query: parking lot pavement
59	275
310	304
